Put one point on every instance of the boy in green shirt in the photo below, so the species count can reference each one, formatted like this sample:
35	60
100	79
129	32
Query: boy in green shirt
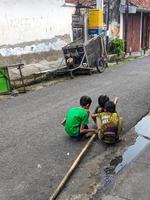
77	119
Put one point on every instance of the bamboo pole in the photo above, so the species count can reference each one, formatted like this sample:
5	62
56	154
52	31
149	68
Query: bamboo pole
115	100
72	168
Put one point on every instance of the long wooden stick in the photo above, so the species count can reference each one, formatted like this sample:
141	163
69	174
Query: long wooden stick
115	100
64	180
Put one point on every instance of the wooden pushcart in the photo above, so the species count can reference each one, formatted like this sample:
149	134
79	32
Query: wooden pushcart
86	56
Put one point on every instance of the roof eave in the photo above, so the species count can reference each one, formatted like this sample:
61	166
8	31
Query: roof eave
69	5
140	9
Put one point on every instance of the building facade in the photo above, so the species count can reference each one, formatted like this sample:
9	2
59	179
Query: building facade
138	25
137	21
32	20
24	21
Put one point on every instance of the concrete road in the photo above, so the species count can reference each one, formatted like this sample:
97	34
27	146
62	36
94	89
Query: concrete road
33	147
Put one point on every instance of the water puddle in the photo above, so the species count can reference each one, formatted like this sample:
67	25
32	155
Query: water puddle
118	163
143	131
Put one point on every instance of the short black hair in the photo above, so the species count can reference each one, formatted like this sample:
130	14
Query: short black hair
102	99
110	107
85	100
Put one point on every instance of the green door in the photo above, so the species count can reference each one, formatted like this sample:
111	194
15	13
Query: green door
4	81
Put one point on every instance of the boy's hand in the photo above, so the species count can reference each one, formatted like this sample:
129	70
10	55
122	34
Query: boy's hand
94	115
95	131
99	110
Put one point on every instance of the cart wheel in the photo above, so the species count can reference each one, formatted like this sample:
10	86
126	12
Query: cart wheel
90	72
101	65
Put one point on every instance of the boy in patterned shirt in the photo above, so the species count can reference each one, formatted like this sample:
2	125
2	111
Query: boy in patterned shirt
109	123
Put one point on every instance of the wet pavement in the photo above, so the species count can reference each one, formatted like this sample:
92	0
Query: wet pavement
133	182
134	155
118	163
101	182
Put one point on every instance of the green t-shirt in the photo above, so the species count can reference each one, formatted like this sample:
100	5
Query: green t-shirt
76	117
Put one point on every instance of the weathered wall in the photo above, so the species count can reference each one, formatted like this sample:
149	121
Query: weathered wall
30	20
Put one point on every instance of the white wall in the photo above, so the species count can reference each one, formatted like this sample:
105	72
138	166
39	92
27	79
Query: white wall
30	20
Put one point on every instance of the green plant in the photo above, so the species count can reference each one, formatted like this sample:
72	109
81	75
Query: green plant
116	46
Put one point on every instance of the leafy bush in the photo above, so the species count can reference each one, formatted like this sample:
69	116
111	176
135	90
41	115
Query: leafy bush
116	46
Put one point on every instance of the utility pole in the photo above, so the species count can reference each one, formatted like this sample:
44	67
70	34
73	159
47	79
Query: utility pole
85	25
99	4
126	25
108	17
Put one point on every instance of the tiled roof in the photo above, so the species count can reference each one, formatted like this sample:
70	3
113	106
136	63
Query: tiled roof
84	2
138	3
141	3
